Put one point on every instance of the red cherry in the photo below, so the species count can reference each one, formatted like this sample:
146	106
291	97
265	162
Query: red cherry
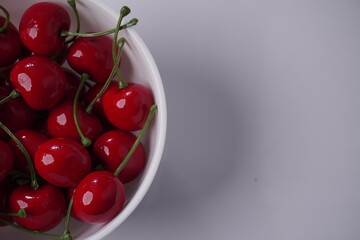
6	160
127	108
61	122
40	28
97	109
31	140
111	149
10	44
18	114
99	197
92	55
44	206
40	80
62	162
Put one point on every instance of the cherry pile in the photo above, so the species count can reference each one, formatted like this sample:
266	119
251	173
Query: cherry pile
67	121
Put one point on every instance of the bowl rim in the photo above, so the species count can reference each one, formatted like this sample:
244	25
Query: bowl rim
159	148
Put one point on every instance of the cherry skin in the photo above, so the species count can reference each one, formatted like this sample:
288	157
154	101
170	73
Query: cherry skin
92	55
61	122
72	84
31	140
40	28
62	162
40	80
99	197
97	110
10	44
112	147
18	114
6	160
127	108
44	206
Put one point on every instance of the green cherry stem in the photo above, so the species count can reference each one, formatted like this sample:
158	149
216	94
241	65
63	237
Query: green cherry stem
21	213
138	140
30	231
34	183
67	234
121	44
72	4
7	19
131	23
13	94
124	11
86	142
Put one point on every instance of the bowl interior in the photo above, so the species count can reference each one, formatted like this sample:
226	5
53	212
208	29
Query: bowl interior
137	66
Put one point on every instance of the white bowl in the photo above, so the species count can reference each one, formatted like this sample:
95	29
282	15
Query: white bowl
137	66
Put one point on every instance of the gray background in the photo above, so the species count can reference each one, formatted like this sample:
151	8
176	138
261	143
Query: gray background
263	120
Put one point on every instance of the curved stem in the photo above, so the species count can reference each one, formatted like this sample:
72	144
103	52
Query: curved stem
21	213
86	142
72	4
7	19
123	12
67	234
138	140
34	183
121	43
32	232
13	94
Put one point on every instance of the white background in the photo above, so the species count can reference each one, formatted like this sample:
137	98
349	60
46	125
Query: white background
263	120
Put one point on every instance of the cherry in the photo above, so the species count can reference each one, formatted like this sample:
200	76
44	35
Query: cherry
18	114
62	162
92	55
31	140
40	28
40	80
44	206
112	147
98	198
61	122
6	160
10	44
127	108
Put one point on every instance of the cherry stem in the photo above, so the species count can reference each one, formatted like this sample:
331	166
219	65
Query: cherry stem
86	142
72	4
131	23
34	183
67	234
21	213
13	94
30	231
124	11
121	43
138	140
7	19
15	172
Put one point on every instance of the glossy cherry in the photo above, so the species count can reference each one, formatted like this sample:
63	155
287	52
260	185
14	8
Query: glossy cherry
44	206
112	147
62	162
6	160
127	108
40	28
31	140
10	44
92	55
99	197
40	80
61	122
